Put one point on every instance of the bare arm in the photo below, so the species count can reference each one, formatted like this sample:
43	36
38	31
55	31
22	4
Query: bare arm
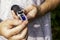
48	5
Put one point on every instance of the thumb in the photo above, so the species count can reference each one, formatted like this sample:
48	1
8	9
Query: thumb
32	13
14	15
29	8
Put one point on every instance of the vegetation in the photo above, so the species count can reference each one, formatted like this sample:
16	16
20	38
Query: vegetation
55	23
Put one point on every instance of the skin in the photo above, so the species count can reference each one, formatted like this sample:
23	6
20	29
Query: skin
10	32
45	7
21	35
30	12
48	5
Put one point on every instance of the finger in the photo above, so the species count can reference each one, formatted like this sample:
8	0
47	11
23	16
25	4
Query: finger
14	15
32	13
24	23
13	22
18	28
10	23
29	8
5	27
24	39
19	36
26	36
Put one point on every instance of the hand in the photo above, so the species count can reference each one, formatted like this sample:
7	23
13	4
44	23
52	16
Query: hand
21	35
9	29
30	11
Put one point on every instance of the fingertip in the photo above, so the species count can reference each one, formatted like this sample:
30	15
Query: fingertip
25	22
12	11
20	21
14	15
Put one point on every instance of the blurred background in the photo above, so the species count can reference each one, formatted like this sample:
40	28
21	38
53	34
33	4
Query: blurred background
55	23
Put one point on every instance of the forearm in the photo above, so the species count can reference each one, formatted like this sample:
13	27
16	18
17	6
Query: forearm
48	5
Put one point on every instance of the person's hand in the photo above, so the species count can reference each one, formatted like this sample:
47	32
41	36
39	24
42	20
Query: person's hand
14	29
21	35
31	11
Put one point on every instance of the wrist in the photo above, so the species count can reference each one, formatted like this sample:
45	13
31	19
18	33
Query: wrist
39	11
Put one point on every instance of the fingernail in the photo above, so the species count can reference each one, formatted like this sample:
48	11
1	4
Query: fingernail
26	21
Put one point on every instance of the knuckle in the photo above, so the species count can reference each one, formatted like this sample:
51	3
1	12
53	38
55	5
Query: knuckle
32	16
